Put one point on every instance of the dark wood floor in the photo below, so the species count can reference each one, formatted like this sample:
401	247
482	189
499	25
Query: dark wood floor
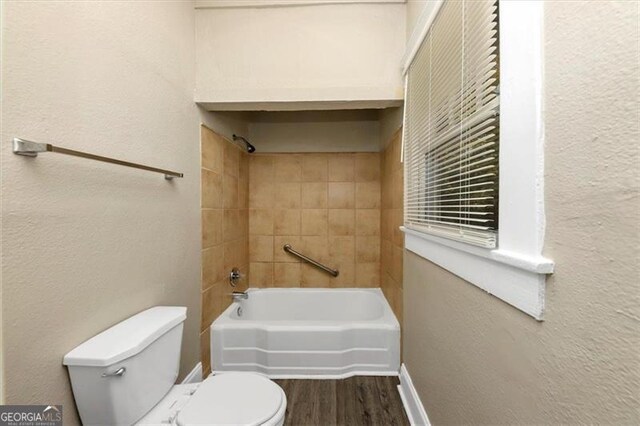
354	401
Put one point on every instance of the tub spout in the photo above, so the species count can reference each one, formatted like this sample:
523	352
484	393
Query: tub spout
239	295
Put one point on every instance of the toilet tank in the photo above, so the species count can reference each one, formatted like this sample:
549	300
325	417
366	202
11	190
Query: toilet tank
120	374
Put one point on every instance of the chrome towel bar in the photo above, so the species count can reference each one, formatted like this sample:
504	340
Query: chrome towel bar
31	149
289	249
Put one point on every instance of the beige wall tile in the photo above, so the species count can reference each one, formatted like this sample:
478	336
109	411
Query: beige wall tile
231	160
211	306
260	168
367	249
342	222
232	257
397	188
225	229
243	166
314	195
261	274
341	195
211	227
286	275
341	168
318	218
311	276
347	276
243	193
260	222
212	266
260	248
286	168
386	224
314	168
230	192
211	187
313	222
279	255
368	195
243	218
286	222
261	194
386	256
286	195
367	274
368	222
367	167
314	247
212	150
205	352
231	225
342	249
396	223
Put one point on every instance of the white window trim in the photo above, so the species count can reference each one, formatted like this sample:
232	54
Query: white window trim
516	271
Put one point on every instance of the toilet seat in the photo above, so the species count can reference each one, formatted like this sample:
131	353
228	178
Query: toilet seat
235	399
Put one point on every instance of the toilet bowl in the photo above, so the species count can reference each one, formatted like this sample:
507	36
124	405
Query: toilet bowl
126	375
225	399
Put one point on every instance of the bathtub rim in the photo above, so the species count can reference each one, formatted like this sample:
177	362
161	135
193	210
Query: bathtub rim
387	320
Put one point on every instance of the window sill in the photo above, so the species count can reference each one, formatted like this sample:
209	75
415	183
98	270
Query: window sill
515	278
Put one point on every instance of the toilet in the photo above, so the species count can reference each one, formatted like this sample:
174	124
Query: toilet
126	375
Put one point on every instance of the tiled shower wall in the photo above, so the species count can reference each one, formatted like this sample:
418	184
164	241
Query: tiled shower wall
343	209
326	206
225	226
392	239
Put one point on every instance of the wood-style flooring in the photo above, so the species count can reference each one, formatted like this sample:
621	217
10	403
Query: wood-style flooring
351	402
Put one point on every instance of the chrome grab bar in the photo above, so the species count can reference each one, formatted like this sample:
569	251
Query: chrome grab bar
332	272
31	149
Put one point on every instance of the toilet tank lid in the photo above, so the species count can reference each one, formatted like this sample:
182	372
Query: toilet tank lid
127	338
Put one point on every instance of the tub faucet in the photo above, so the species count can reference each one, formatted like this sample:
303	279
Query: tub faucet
239	295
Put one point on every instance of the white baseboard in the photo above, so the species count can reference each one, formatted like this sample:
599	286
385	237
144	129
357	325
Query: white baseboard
194	375
411	401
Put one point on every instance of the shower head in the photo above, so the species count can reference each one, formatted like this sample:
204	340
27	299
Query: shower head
250	148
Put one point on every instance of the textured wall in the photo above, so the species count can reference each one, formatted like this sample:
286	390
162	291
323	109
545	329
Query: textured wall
87	244
225	227
475	359
326	206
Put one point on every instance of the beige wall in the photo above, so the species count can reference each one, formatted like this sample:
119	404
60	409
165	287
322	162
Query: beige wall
315	131
85	244
475	359
414	8
391	218
225	227
326	206
325	53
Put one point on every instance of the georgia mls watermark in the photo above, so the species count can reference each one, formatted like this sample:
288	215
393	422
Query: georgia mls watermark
30	415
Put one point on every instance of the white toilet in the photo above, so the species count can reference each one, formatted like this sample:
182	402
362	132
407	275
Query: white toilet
126	375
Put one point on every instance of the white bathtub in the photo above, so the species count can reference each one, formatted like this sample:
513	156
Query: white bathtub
302	333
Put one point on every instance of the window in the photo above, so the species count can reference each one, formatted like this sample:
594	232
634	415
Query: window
452	126
474	145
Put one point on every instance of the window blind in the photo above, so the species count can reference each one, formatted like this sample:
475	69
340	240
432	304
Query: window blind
452	126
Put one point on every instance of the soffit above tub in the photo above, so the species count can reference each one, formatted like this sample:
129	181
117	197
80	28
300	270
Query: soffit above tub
282	106
208	4
337	56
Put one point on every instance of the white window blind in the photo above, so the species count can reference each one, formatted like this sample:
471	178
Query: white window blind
452	126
